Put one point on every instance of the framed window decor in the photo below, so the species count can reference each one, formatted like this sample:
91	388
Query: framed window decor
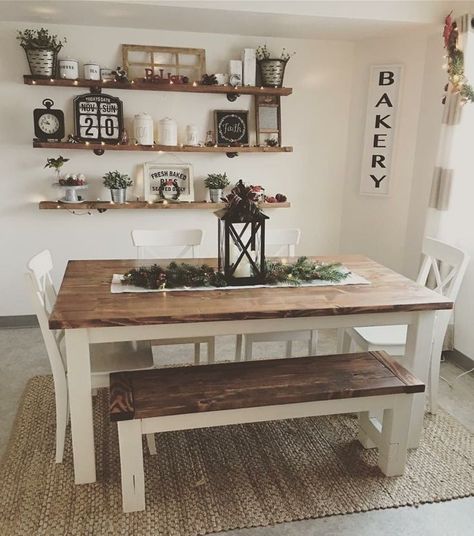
171	182
231	127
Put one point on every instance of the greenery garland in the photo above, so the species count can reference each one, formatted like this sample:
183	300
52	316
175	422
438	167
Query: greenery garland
187	275
455	57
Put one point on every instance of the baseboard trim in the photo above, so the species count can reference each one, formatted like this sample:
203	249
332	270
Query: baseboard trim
19	321
458	358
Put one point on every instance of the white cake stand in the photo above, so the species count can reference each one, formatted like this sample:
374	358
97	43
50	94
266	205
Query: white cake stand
70	192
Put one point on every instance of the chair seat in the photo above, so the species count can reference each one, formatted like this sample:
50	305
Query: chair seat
120	356
383	335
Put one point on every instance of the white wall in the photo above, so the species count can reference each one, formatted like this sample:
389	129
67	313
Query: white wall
378	226
315	121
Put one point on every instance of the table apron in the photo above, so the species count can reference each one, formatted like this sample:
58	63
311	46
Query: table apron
234	327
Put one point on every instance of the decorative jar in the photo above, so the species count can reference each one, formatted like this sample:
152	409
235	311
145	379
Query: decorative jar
192	135
91	71
68	69
168	131
143	129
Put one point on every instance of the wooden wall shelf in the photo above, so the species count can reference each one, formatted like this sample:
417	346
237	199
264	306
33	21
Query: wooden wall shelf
99	148
137	205
140	85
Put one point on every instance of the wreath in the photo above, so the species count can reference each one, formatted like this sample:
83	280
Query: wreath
169	182
455	66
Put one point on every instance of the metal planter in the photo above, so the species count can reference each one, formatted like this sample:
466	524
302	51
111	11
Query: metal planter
272	72
119	195
42	61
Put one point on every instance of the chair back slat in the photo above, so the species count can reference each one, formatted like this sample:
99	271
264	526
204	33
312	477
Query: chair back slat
40	267
281	242
443	267
170	244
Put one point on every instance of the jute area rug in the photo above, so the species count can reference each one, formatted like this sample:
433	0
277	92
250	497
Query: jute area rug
205	481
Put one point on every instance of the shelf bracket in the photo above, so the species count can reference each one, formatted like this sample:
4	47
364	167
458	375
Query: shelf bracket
231	155
101	210
232	97
99	152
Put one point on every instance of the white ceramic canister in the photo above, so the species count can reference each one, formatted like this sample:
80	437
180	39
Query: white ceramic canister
143	129
107	74
91	71
168	131
192	135
69	69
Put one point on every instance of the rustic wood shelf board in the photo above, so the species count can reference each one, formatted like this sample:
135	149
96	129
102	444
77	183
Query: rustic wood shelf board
135	205
139	84
158	148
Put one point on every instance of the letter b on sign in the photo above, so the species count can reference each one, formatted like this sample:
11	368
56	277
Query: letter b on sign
386	78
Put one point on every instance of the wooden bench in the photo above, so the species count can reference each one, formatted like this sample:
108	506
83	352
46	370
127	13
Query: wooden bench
145	402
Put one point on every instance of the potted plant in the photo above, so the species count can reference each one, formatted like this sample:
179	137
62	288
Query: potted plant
216	182
56	164
117	183
271	69
41	50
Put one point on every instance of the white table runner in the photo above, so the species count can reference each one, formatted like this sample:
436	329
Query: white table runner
116	286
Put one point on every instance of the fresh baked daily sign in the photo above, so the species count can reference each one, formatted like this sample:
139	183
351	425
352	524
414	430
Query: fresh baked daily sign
382	110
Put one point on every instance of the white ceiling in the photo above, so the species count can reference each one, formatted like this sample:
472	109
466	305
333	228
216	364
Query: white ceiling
347	20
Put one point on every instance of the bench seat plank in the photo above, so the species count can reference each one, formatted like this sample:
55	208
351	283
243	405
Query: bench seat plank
181	390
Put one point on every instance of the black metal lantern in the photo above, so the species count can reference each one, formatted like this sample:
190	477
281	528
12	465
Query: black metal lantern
241	236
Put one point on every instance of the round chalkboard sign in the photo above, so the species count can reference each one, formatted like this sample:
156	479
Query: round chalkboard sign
232	128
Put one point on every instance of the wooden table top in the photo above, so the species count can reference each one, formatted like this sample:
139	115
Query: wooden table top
85	300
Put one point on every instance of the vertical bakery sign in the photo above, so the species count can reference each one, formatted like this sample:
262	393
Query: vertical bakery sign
379	139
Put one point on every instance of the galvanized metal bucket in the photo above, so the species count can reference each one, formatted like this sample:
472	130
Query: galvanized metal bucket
42	61
215	195
119	195
272	72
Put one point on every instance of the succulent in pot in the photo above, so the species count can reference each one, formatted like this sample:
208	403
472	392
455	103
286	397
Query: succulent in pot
117	183
272	70
216	182
41	49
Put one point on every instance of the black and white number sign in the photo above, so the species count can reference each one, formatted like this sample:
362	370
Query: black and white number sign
382	109
98	118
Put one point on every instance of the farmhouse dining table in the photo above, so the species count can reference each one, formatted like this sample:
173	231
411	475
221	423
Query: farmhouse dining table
89	313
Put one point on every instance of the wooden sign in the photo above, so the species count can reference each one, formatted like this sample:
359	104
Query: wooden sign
382	109
98	118
168	181
231	127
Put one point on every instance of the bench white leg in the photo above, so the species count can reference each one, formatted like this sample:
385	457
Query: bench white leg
364	427
211	350
238	347
131	465
343	341
197	353
150	441
394	441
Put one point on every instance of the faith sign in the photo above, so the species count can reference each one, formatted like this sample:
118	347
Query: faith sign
382	109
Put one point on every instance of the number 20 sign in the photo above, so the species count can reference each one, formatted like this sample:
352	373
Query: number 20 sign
98	118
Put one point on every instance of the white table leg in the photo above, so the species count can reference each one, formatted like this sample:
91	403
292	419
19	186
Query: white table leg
80	402
418	357
131	465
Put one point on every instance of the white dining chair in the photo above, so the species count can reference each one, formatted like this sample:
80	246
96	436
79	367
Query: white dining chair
105	358
278	243
173	244
442	269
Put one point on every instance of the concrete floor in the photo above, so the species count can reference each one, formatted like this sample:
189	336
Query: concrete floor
22	355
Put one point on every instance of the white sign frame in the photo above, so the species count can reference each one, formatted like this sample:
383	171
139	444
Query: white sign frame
165	171
385	82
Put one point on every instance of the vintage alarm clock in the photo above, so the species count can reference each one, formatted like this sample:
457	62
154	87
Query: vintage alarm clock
49	123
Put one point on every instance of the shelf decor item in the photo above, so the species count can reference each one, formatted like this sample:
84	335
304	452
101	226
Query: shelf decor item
98	118
189	63
68	69
91	71
71	185
272	70
168	131
231	127
48	122
117	183
216	182
249	66
163	181
143	129
56	164
241	237
41	49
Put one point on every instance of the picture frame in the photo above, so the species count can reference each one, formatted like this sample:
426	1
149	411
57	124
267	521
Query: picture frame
231	127
161	180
